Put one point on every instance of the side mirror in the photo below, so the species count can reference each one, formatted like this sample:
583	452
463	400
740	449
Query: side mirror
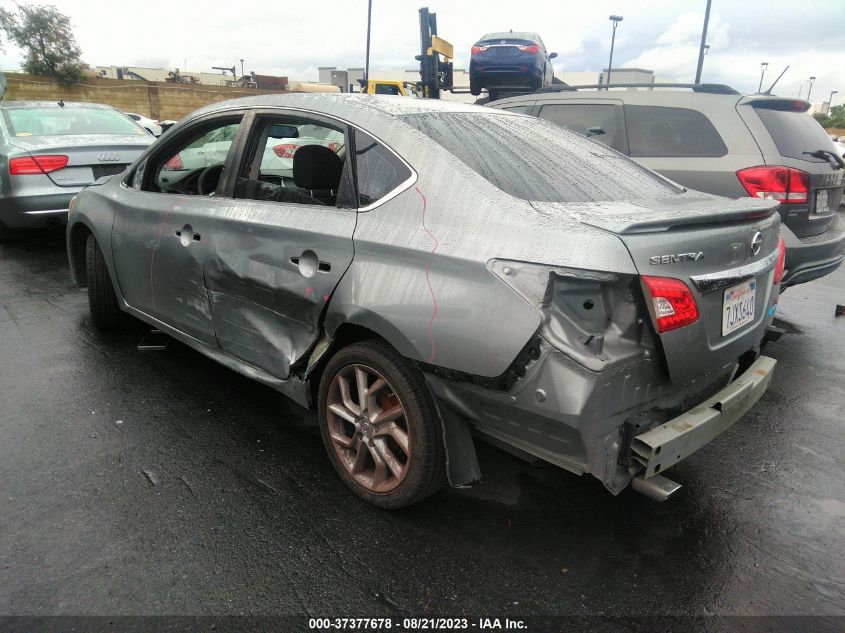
594	131
552	55
283	131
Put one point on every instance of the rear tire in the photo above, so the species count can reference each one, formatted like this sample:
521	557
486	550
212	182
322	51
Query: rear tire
102	301
390	451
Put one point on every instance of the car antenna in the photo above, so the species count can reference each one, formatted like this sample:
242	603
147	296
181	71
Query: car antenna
769	91
61	103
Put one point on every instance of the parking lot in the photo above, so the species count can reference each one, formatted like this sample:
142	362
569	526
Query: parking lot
162	483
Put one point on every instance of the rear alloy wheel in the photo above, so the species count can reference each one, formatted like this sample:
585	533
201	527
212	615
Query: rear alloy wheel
379	426
102	301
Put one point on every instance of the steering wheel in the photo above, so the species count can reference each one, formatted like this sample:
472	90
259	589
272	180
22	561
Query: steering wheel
208	179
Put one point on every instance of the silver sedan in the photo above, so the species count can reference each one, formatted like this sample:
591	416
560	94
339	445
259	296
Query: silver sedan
427	272
49	151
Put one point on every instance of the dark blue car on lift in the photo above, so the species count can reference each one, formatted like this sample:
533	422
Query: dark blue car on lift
510	62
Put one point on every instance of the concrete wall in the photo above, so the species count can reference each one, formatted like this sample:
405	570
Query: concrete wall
158	100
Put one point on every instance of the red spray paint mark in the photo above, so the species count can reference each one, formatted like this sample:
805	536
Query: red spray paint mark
308	292
153	258
428	279
325	298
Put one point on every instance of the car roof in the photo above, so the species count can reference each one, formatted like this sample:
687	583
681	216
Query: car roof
10	105
356	107
513	35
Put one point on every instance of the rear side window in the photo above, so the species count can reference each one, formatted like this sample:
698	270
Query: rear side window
533	159
795	133
378	170
601	122
657	131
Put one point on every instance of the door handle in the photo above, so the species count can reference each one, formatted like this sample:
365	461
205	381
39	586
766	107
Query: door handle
309	264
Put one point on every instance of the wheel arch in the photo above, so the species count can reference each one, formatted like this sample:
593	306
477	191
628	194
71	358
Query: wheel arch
77	235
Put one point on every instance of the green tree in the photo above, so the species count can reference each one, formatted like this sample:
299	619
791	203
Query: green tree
47	40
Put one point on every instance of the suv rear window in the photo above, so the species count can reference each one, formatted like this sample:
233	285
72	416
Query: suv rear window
671	132
794	133
536	160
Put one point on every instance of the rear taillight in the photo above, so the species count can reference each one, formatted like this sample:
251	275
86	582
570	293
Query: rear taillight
478	49
28	165
781	261
285	150
674	304
531	48
173	164
784	184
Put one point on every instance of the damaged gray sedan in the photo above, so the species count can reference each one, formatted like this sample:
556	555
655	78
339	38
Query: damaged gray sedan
427	272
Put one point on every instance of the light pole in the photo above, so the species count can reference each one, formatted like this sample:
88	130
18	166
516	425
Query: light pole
810	89
763	68
367	61
616	19
703	43
706	48
800	88
830	100
242	67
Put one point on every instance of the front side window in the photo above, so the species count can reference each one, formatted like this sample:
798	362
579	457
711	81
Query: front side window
671	132
194	165
534	159
295	160
377	169
68	120
601	122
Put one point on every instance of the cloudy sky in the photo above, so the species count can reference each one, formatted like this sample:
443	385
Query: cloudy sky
293	38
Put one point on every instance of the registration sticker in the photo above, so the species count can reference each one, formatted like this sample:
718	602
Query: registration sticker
738	306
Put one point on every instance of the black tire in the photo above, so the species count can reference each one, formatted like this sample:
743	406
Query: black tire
102	301
424	471
474	90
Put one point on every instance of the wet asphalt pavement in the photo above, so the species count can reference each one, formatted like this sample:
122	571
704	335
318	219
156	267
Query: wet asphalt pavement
161	483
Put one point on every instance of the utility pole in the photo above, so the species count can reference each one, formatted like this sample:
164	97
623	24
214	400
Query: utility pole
830	100
763	68
703	43
367	62
616	19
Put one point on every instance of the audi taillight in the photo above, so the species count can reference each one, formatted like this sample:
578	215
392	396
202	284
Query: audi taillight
673	302
530	48
785	184
781	261
478	49
29	165
173	164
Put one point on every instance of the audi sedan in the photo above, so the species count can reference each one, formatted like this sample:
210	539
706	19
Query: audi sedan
441	272
50	151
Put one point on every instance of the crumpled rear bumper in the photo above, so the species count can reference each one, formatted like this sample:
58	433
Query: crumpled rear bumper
667	444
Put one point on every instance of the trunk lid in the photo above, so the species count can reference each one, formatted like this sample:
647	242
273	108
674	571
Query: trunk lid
712	245
89	156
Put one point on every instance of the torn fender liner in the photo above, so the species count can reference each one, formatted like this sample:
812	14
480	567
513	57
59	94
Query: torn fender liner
462	467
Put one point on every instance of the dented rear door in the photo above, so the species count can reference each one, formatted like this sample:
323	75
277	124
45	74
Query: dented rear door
271	265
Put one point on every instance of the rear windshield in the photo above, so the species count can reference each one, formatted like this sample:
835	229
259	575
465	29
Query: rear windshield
795	133
536	160
48	121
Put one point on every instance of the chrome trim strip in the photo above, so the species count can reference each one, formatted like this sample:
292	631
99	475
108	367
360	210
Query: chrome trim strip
725	278
48	211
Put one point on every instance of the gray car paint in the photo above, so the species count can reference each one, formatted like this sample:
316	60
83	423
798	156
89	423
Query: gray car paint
455	274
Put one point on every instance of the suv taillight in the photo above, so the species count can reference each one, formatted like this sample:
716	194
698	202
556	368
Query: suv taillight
785	184
674	304
781	261
29	165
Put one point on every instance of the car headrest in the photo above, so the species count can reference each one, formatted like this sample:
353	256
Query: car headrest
316	167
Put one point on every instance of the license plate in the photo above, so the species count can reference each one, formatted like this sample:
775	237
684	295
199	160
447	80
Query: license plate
822	202
738	306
